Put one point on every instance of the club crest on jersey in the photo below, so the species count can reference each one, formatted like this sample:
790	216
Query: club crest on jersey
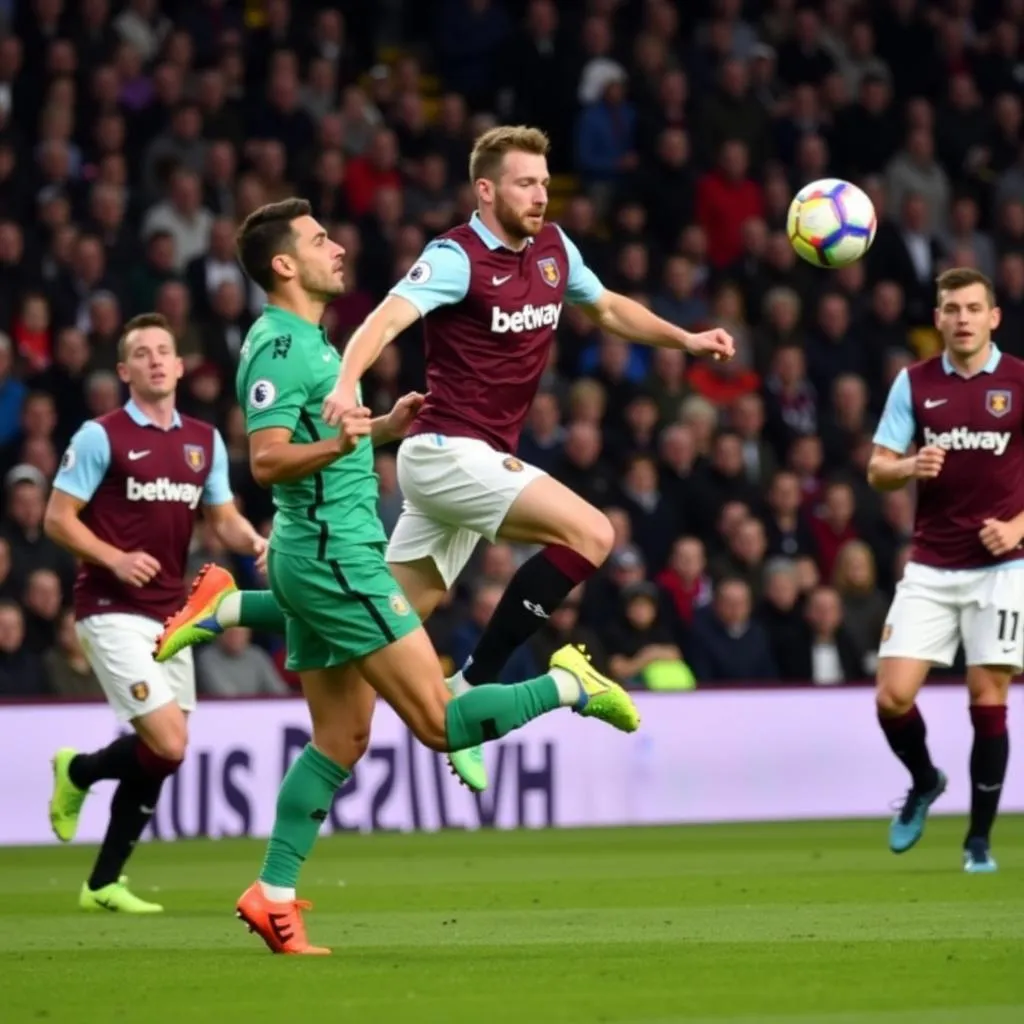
195	457
549	271
140	691
998	403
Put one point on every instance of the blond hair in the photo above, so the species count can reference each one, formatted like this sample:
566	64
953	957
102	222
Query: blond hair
841	573
490	148
963	277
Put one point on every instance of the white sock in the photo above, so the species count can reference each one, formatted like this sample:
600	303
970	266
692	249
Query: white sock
457	684
569	691
277	893
229	610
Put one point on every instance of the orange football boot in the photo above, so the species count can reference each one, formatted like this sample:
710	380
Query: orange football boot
279	925
196	622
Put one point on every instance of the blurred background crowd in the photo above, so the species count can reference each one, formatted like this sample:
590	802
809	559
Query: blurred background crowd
135	135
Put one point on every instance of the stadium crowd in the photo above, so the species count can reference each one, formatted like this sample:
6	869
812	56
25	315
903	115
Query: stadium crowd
134	136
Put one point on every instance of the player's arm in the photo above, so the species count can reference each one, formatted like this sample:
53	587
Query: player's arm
275	394
440	277
621	315
82	469
889	467
235	532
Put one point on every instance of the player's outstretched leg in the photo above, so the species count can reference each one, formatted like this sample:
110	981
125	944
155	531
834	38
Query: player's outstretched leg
899	681
214	604
400	674
341	707
578	538
989	757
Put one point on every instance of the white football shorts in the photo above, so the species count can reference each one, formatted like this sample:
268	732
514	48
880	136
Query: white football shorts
935	610
120	650
456	490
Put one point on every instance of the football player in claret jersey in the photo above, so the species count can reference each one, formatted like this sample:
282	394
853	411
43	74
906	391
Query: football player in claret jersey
964	412
125	501
490	293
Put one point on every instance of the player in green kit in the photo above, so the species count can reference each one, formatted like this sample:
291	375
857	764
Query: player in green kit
351	633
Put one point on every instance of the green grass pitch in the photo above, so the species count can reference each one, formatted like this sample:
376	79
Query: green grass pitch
808	923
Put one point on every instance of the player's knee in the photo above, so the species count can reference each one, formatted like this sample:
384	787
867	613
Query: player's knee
344	746
593	537
169	747
893	700
988	685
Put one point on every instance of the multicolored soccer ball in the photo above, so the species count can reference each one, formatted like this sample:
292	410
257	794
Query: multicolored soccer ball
831	223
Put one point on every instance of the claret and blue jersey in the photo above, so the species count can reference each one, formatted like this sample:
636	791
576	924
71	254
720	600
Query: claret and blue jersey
978	422
490	314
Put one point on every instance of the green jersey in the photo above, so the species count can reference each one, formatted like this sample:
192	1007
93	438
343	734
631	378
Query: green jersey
286	369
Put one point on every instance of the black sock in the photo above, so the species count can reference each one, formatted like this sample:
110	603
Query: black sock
989	757
130	809
907	735
537	589
118	760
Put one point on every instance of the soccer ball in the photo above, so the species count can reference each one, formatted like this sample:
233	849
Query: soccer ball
831	223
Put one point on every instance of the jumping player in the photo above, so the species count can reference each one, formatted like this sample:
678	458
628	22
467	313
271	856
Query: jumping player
350	631
124	501
491	295
965	580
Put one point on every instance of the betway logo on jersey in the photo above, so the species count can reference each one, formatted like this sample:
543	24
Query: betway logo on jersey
163	489
529	318
960	439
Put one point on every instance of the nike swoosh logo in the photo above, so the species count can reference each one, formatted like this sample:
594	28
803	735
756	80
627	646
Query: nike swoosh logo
934	403
133	456
496	281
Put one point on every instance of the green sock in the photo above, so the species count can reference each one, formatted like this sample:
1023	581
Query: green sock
257	609
492	710
303	802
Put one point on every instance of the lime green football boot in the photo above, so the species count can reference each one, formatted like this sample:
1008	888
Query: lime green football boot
116	897
600	697
67	799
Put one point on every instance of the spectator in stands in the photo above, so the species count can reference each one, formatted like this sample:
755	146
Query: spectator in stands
21	671
864	605
829	656
67	669
233	667
726	644
685	580
643	651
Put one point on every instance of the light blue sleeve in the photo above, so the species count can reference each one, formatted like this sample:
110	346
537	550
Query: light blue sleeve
896	429
217	490
440	277
85	462
584	287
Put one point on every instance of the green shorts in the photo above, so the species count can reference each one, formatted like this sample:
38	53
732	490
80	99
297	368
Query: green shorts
337	610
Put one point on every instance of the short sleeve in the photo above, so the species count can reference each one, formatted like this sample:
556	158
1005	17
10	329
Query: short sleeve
896	428
440	277
275	385
217	490
85	462
584	287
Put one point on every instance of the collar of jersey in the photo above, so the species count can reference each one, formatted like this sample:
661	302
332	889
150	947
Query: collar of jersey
488	237
990	367
292	319
143	420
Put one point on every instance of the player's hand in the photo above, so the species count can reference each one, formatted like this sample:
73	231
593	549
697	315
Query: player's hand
404	412
355	424
1000	538
136	568
928	462
716	343
260	549
336	404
